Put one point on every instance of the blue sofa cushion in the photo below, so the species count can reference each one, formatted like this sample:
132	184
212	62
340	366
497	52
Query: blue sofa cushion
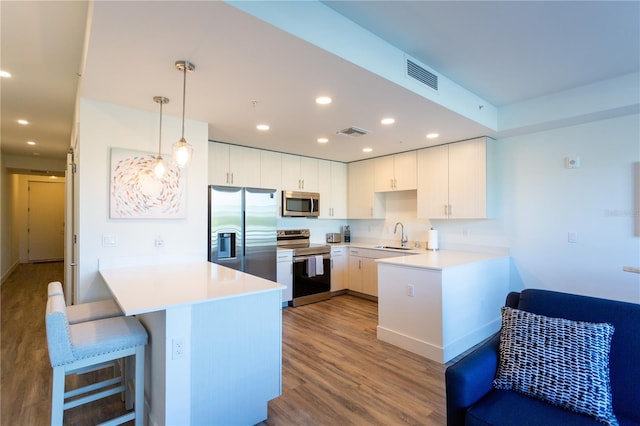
502	407
557	360
625	345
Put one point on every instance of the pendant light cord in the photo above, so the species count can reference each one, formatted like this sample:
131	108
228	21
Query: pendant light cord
160	135
184	91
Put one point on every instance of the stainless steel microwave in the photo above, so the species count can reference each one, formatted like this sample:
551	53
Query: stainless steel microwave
300	204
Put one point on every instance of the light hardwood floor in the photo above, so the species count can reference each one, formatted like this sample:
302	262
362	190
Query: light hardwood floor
335	371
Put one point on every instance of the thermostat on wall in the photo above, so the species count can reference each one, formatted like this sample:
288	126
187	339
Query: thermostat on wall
571	162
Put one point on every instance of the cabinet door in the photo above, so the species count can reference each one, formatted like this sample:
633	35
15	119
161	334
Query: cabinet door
309	174
338	190
271	170
325	189
355	273
244	166
363	202
284	274
369	276
384	179
338	269
218	164
468	179
433	182
332	186
404	169
291	180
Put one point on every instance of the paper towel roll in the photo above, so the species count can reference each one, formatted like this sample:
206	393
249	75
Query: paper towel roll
432	242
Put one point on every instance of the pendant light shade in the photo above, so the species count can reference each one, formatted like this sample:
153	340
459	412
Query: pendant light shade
182	150
159	166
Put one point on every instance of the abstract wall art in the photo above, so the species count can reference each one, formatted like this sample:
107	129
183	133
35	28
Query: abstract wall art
136	192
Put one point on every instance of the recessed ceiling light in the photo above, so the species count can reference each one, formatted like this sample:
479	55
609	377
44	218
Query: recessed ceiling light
262	127
323	100
323	140
432	135
31	143
388	121
23	122
5	74
367	149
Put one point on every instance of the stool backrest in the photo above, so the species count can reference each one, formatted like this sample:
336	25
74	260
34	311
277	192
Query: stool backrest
58	338
55	287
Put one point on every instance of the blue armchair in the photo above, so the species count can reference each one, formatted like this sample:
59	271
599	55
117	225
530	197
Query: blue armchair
472	400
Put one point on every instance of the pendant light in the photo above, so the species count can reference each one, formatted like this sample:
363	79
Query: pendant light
159	166
182	150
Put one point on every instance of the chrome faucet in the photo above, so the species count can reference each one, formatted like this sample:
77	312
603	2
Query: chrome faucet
403	238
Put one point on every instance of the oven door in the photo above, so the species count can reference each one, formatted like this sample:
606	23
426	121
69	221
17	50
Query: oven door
311	283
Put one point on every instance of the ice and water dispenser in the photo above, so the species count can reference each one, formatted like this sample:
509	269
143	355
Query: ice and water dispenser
226	245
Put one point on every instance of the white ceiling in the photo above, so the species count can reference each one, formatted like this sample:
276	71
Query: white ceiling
504	52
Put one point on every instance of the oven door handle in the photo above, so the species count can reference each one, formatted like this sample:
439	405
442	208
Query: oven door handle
303	258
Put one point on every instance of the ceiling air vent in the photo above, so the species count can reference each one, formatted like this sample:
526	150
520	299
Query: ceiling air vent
353	132
425	77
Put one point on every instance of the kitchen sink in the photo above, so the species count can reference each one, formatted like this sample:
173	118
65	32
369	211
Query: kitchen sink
393	247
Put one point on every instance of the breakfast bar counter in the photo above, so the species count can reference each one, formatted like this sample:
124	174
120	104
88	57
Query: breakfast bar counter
215	353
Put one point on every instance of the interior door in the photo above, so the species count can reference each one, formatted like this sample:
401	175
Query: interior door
46	221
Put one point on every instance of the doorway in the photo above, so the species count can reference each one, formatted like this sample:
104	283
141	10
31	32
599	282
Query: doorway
46	221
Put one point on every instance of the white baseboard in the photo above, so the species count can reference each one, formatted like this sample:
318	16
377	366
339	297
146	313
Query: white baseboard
7	274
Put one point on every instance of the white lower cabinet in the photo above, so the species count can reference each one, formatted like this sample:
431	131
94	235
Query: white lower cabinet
284	273
338	268
363	269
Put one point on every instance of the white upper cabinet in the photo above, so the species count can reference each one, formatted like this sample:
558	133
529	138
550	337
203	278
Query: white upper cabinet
363	202
270	170
233	165
332	186
395	172
299	173
452	181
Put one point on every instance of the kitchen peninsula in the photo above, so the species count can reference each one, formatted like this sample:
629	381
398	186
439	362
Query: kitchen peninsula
439	304
215	339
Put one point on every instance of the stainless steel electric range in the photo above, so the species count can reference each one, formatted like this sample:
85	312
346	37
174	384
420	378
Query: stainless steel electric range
311	266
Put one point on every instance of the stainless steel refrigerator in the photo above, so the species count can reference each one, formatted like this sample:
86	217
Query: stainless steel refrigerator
242	229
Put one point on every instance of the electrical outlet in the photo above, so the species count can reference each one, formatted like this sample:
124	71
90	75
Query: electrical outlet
178	349
572	237
411	290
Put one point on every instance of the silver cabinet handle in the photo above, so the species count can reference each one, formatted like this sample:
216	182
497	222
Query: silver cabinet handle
231	178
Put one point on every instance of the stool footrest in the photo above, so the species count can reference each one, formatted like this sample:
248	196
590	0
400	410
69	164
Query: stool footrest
93	397
119	420
92	387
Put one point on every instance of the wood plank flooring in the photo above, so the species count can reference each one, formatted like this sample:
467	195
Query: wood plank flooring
335	370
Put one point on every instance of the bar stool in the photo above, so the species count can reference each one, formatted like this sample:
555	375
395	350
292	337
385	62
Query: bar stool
86	311
73	348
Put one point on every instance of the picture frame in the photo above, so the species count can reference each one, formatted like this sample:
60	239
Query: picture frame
137	193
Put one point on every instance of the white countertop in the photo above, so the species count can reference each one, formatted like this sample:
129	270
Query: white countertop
440	260
142	289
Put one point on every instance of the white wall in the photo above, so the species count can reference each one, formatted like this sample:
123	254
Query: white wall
544	201
105	126
541	202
